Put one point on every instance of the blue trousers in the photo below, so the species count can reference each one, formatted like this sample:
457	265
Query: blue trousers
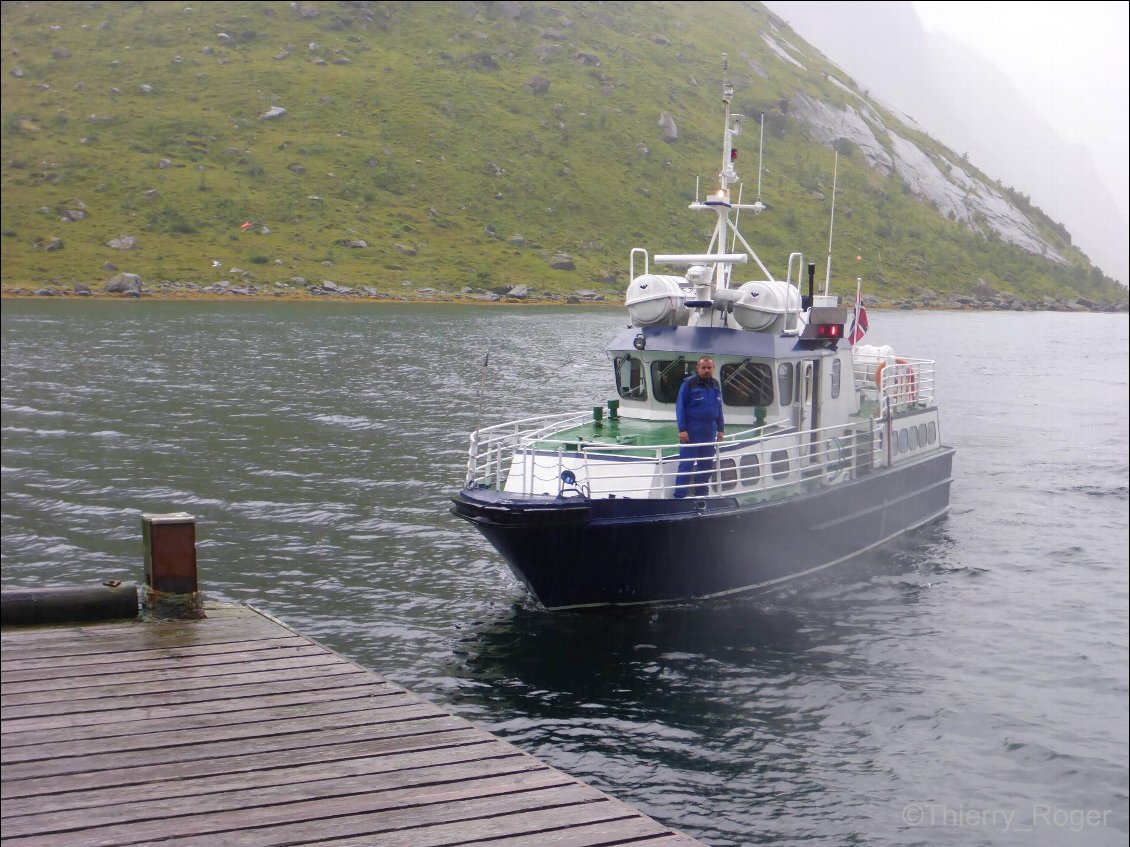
696	466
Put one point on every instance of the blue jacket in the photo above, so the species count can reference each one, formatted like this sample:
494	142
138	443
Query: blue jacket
698	410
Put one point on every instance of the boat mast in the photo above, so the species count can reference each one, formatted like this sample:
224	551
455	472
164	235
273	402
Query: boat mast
721	204
726	177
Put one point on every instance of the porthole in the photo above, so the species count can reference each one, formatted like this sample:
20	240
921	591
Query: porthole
728	474
779	464
750	471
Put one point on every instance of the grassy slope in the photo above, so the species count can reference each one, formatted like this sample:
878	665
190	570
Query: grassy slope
429	139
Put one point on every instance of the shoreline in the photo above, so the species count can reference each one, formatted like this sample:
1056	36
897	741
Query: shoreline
446	298
306	297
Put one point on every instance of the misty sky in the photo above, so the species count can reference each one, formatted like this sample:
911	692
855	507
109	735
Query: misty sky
1070	62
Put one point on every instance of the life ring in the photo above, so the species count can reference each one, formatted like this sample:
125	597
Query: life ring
906	382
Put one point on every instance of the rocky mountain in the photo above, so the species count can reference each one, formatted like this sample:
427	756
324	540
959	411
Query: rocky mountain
962	99
473	150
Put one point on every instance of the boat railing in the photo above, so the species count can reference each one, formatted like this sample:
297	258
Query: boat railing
492	448
792	312
632	262
764	461
899	386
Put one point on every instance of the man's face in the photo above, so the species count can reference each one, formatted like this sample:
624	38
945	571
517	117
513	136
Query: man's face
705	369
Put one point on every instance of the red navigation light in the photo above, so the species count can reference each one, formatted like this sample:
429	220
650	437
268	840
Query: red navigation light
830	331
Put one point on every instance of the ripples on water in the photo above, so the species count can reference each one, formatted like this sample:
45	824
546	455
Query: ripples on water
968	686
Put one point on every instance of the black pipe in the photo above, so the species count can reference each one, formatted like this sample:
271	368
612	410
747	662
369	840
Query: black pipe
35	606
806	302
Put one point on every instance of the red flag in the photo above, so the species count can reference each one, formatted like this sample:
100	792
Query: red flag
858	325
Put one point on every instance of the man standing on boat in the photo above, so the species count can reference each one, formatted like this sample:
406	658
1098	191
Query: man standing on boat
698	411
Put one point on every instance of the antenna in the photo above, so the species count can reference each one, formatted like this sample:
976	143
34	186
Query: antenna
482	381
760	154
737	215
831	223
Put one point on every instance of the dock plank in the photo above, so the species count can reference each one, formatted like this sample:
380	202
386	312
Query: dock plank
236	730
169	705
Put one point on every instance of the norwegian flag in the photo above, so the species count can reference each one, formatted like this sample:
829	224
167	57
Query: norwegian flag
858	325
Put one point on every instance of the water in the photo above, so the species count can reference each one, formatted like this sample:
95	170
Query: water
966	687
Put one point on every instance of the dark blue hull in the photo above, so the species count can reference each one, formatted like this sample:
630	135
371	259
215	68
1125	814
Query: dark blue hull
574	552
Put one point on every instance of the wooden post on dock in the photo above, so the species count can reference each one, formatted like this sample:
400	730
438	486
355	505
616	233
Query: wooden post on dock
170	564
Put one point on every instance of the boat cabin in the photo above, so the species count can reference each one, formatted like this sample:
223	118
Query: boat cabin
763	377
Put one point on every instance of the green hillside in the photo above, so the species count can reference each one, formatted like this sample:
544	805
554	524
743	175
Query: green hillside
465	144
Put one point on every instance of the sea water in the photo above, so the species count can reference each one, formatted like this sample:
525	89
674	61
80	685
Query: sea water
967	685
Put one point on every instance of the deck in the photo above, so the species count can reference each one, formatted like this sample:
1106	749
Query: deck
236	730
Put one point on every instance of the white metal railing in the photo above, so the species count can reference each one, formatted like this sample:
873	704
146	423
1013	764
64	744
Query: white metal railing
492	448
906	383
528	457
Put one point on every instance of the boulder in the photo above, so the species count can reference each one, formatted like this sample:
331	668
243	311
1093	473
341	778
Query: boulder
123	283
983	291
538	84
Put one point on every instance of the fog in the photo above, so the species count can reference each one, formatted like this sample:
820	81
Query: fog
1035	94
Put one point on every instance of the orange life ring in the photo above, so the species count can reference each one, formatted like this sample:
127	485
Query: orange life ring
907	383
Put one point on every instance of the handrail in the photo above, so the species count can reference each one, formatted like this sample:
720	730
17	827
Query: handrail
906	383
632	262
792	315
783	458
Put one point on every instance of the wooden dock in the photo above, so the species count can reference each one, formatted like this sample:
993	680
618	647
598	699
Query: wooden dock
235	730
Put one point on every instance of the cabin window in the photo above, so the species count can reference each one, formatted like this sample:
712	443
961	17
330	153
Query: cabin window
747	384
779	464
904	441
785	383
728	474
912	434
931	432
836	366
750	470
667	376
630	381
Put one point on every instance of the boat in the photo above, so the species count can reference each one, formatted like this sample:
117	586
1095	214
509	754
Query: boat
830	447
